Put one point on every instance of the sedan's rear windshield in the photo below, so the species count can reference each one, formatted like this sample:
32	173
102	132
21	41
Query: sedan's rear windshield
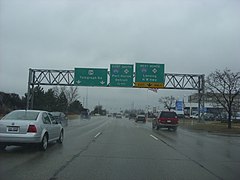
21	115
168	115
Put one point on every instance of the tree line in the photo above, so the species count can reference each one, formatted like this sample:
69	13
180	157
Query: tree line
54	99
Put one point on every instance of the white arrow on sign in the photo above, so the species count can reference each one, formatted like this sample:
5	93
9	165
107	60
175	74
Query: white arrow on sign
79	81
154	70
102	82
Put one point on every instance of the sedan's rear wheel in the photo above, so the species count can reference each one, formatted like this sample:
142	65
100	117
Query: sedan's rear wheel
2	147
44	143
60	139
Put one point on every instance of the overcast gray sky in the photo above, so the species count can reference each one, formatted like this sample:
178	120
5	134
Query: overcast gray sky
188	36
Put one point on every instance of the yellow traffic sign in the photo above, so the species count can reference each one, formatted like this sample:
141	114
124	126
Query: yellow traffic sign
149	85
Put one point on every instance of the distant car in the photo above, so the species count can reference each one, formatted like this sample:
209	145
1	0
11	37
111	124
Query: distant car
237	116
60	117
85	115
132	116
141	117
119	116
209	117
194	116
21	127
150	117
166	119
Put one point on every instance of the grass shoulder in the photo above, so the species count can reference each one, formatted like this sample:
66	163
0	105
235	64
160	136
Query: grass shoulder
210	126
73	116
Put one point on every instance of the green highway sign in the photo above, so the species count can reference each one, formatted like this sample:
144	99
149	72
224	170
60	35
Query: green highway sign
121	75
149	75
90	77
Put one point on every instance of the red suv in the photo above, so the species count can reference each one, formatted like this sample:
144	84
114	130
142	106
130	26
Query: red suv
166	119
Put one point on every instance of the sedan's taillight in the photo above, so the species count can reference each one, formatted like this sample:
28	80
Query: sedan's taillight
160	120
32	129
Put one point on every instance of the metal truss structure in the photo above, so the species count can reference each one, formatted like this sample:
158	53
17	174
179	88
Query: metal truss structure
184	81
39	77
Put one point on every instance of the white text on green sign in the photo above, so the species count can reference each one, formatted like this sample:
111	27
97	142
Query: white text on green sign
121	75
149	75
90	77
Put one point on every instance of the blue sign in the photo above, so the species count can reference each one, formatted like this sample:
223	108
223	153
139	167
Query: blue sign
179	105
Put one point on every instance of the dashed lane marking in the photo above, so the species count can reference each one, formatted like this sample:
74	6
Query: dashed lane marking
154	137
98	134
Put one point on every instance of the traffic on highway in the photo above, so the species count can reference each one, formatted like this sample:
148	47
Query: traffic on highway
121	148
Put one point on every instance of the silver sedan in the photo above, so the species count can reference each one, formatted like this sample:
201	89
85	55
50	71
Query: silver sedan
22	127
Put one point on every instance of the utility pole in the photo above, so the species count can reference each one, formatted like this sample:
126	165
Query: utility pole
87	99
98	107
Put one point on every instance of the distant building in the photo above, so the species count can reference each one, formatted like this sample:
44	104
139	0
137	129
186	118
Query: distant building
211	105
209	98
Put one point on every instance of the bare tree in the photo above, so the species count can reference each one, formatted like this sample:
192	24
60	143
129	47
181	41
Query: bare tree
224	86
56	91
71	93
168	102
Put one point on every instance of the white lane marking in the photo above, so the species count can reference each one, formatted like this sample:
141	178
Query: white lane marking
154	137
97	135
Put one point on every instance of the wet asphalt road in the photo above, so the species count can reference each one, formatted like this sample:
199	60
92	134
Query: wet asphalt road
109	148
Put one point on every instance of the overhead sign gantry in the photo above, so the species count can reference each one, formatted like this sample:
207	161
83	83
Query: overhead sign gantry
120	75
